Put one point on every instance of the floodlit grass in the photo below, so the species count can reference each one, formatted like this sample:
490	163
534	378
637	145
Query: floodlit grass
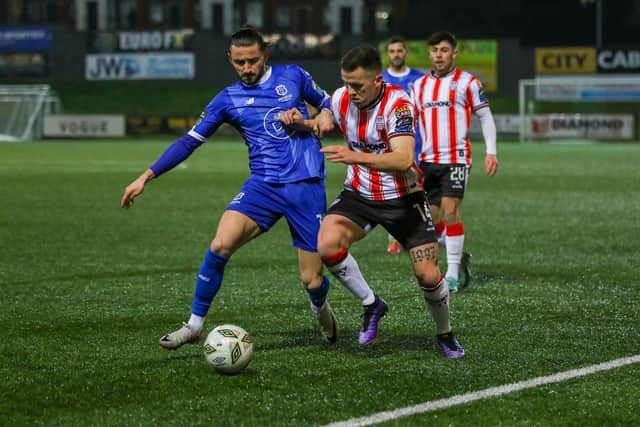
88	288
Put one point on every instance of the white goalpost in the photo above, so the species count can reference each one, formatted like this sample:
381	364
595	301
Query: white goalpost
577	108
22	109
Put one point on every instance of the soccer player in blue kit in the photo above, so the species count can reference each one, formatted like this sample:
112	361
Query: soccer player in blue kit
286	175
399	74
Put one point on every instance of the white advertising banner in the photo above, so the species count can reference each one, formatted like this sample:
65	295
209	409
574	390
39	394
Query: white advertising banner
139	66
588	89
506	124
84	125
590	126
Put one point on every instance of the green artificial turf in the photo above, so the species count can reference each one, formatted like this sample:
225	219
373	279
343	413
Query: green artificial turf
88	288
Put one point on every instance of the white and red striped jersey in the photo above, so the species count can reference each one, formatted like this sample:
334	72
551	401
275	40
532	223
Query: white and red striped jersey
443	108
369	130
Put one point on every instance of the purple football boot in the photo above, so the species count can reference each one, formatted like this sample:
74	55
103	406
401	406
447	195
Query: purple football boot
372	315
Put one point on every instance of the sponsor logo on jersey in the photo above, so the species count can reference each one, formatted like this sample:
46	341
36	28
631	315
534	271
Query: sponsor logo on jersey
437	104
363	146
282	90
273	126
237	198
250	101
202	116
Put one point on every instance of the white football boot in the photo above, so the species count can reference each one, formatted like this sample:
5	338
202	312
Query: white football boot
176	339
327	320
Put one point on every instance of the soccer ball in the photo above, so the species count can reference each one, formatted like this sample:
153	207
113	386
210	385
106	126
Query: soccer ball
228	349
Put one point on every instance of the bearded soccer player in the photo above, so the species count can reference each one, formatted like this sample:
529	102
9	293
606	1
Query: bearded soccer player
382	187
286	176
399	74
444	99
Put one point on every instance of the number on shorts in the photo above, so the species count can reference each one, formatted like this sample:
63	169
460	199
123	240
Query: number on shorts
458	173
424	211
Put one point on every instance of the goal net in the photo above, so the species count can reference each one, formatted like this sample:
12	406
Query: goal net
22	109
590	108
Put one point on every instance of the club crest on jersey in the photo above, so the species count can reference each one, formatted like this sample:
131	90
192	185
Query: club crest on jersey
453	85
281	90
380	123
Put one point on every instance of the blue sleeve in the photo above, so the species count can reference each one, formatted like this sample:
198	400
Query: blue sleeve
211	118
174	154
312	93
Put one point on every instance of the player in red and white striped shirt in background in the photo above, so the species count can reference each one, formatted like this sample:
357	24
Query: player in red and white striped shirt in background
399	74
382	187
444	100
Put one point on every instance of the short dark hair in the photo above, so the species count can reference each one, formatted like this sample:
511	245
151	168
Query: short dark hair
248	36
442	36
396	39
365	56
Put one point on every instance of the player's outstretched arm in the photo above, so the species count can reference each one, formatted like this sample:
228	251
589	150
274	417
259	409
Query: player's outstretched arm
173	155
135	189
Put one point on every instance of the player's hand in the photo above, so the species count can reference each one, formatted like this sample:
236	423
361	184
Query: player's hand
491	164
291	117
325	123
340	154
135	189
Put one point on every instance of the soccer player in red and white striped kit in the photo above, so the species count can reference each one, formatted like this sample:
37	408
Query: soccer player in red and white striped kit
444	100
382	187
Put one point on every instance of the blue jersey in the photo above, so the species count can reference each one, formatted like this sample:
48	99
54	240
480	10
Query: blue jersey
277	154
405	81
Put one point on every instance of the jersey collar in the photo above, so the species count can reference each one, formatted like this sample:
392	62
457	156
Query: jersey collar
264	78
383	89
402	74
453	70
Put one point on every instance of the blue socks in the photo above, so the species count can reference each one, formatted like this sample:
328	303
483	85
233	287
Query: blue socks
319	295
208	282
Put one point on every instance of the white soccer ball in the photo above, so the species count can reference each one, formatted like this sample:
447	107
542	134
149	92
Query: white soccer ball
228	349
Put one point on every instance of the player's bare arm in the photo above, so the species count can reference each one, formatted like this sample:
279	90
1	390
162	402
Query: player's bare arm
400	158
135	189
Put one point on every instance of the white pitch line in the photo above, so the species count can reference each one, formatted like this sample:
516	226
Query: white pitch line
484	394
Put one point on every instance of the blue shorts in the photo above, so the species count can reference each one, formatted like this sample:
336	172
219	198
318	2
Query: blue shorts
302	203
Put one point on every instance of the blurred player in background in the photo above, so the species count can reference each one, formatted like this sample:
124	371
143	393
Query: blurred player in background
399	74
286	175
382	187
445	99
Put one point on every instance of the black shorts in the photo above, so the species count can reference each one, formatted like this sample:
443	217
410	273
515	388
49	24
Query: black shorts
444	181
408	219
